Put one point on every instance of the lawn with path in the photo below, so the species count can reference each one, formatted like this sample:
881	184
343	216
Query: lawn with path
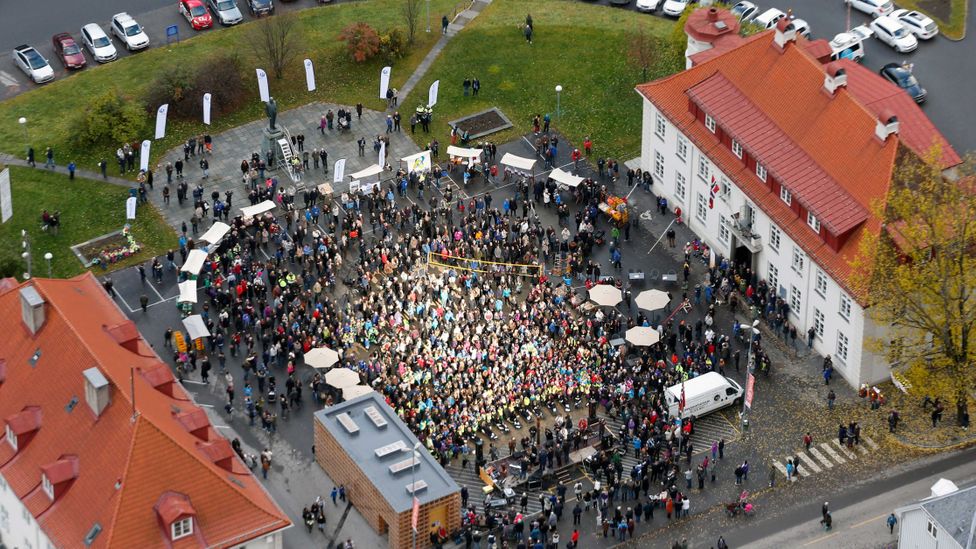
88	209
582	47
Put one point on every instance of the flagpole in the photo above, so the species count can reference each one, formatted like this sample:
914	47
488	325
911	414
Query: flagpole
750	366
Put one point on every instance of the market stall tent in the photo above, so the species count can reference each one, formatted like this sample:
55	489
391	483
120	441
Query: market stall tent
519	162
565	178
194	262
257	209
216	231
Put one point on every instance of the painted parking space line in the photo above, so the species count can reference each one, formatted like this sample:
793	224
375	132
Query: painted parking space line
833	453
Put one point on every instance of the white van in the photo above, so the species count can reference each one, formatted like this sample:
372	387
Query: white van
850	44
703	395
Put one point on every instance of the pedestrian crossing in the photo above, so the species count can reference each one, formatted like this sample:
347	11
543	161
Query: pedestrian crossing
823	456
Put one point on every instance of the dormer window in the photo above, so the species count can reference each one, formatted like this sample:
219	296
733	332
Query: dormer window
11	437
710	123
181	528
786	196
736	149
47	486
761	172
813	222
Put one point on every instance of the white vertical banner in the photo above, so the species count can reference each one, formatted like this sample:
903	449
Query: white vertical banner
144	155
339	170
130	207
206	108
263	85
384	81
309	75
161	121
382	159
432	93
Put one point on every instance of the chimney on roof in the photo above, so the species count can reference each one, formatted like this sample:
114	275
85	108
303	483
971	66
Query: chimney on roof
785	32
712	14
32	309
836	77
887	125
97	391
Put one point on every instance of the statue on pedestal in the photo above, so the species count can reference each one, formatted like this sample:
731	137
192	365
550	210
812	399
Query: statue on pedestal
271	109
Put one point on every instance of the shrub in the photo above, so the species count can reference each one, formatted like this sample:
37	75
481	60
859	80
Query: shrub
110	118
393	44
361	40
183	88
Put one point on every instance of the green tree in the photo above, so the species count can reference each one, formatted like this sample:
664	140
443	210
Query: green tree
111	118
920	276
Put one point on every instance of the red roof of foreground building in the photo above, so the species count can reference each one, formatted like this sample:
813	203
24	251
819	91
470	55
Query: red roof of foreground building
118	474
825	146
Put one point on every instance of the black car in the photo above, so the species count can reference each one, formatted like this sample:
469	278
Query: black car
901	76
260	7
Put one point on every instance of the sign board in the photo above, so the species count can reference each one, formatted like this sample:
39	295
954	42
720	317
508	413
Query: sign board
172	33
6	198
130	207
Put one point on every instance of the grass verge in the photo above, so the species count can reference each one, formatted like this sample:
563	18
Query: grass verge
88	209
949	14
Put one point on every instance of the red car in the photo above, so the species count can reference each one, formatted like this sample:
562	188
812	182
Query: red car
68	51
196	14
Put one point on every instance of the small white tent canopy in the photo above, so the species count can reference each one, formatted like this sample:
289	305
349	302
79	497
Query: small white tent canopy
217	231
257	209
194	262
471	154
518	162
196	327
188	291
372	170
565	178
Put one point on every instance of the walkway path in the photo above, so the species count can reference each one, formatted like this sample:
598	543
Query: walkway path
10	160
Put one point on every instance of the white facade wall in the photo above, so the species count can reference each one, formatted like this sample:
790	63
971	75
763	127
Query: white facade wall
827	301
914	532
18	529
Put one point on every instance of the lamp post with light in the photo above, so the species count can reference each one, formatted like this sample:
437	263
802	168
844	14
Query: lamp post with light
753	330
48	257
25	244
428	15
559	90
23	124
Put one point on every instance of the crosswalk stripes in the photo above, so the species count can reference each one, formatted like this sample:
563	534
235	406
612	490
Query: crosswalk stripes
823	461
871	443
809	463
825	455
832	453
850	455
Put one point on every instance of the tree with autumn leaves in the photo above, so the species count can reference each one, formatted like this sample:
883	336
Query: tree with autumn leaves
919	275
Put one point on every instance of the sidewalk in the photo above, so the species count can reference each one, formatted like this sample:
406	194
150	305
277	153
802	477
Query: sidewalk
10	160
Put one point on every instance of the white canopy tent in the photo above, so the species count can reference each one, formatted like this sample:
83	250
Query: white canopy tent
461	152
321	357
216	231
652	300
188	291
643	336
375	169
605	295
565	178
519	162
257	209
341	378
196	327
194	262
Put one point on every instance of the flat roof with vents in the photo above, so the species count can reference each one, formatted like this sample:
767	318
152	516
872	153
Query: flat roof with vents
380	444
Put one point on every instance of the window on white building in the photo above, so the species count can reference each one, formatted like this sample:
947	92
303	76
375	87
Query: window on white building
798	260
11	437
4	520
736	149
796	300
701	212
658	165
660	125
932	529
182	528
785	195
818	322
845	307
774	237
682	150
723	229
842	345
761	171
703	167
710	123
725	190
821	283
813	222
773	276
47	486
680	186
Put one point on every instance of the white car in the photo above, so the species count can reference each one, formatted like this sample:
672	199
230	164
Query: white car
921	25
647	6
33	64
890	31
801	26
745	11
674	8
769	18
125	28
227	11
874	8
98	43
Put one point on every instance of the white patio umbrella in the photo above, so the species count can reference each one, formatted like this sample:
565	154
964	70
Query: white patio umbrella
652	300
605	295
349	393
341	378
321	357
643	336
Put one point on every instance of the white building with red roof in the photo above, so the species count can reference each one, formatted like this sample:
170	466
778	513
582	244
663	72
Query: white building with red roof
797	153
101	446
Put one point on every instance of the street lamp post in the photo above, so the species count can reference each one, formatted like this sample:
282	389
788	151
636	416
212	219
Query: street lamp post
413	480
428	15
25	243
23	124
559	90
750	365
48	257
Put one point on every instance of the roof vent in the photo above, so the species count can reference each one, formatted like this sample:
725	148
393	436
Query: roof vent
887	125
785	32
97	391
835	78
347	423
70	407
394	447
375	417
417	486
31	309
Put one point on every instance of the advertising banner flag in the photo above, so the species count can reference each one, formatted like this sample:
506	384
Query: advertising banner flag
432	93
263	85
309	75
144	155
161	121
339	170
206	108
384	81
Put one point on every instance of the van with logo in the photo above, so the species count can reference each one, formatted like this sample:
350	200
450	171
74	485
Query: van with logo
704	394
850	44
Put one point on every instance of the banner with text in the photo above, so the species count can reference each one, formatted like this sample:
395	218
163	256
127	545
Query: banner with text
263	85
309	75
161	121
384	81
206	108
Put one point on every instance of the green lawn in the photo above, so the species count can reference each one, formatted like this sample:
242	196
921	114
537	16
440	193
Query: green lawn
579	46
51	109
949	14
88	209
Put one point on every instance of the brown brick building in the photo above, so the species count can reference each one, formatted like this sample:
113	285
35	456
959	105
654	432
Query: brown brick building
362	444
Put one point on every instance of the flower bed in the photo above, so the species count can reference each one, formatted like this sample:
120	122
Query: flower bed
108	249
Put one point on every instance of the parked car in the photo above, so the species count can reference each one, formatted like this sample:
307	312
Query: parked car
647	6
131	33
801	26
196	14
745	11
260	7
874	8
674	8
98	43
769	18
901	76
33	64
619	3
68	51
226	11
920	24
890	31
850	44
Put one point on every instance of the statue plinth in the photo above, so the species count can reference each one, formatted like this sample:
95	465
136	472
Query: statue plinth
270	142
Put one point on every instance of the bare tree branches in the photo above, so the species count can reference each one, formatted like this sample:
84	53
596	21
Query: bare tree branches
411	16
275	41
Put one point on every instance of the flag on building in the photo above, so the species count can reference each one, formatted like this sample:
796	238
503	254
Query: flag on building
711	195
